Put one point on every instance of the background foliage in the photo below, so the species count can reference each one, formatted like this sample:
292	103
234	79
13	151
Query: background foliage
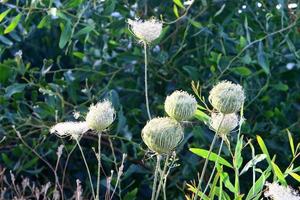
54	64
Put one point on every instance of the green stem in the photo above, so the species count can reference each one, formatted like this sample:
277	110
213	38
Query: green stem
162	177
87	168
146	81
99	166
155	176
206	160
214	169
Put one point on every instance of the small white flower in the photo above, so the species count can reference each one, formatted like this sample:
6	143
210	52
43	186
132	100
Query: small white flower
292	5
100	116
224	124
146	31
76	114
290	66
244	6
278	192
259	4
240	11
73	129
53	12
278	6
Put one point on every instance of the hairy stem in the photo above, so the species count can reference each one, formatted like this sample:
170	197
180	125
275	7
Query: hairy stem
206	160
162	177
146	81
87	168
155	176
214	169
99	166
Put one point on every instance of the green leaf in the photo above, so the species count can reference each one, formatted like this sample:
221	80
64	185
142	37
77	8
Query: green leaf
258	186
295	176
45	20
78	54
65	35
84	31
220	10
278	173
199	193
175	10
202	116
131	195
6	72
244	71
257	158
281	87
238	159
263	148
243	42
179	4
291	142
262	59
213	157
73	3
13	24
3	14
195	23
14	88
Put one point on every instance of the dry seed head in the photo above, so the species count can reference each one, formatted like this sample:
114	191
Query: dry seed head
100	116
279	192
162	135
180	105
227	97
146	31
224	124
73	129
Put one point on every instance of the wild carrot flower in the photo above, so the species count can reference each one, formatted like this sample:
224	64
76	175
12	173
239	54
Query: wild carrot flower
279	192
73	129
162	135
180	105
146	31
227	97
223	123
100	116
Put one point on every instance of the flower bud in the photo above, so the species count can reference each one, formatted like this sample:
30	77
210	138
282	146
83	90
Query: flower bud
180	105
227	97
146	31
162	135
100	116
223	124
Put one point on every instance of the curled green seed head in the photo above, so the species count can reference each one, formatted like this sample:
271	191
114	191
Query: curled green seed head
227	97
180	105
162	135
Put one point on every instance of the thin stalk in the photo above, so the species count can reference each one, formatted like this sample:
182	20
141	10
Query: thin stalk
87	168
253	169
206	160
99	166
146	81
214	169
155	176
162	177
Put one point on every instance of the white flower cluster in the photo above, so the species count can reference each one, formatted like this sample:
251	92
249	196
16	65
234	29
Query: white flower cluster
99	118
73	129
227	98
279	192
146	31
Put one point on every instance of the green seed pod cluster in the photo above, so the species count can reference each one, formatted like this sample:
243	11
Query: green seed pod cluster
180	105
100	116
223	124
227	97
162	135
